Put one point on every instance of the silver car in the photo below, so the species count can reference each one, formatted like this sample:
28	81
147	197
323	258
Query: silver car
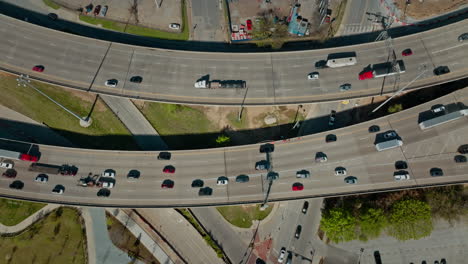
303	174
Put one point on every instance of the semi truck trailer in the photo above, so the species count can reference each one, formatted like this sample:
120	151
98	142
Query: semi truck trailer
54	169
382	70
204	84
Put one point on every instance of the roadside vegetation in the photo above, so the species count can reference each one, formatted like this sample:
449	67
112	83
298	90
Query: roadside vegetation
105	132
188	215
14	211
51	4
57	238
140	30
404	215
243	215
267	33
127	242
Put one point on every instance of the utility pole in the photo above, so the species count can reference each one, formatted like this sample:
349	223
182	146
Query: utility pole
24	81
271	176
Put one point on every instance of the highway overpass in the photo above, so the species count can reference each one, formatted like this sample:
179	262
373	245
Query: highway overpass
354	150
272	78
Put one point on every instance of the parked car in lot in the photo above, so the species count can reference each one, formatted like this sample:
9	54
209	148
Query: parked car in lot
111	83
460	159
249	24
38	68
42	178
303	174
167	184
297	186
463	37
340	171
104	11
282	255
435	172
197	183
10	173
401	175
169	169
401	165
174	26
18	185
6	164
305	207
97	9
313	76
345	87
222	180
242	178
58	189
441	70
350	180
407	52
103	192
164	156
206	191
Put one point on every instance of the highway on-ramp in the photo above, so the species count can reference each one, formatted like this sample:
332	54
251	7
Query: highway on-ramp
354	150
272	78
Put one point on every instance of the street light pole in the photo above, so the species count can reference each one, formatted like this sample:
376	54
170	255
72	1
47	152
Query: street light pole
360	255
23	79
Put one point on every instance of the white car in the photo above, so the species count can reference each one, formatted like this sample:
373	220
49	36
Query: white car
402	175
282	254
303	174
41	178
313	76
174	26
222	181
6	165
105	184
111	83
108	173
340	172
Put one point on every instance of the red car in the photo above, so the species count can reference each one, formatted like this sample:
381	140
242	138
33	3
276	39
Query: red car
169	169
97	10
407	52
27	157
38	68
249	24
297	186
167	184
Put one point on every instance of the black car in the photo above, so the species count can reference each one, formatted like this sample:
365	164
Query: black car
436	172
103	192
242	178
164	156
401	165
330	138
136	79
374	128
271	176
133	174
262	165
441	70
17	185
460	159
322	64
443	261
260	261
197	183
305	207
10	173
463	149
298	231
205	191
52	16
267	148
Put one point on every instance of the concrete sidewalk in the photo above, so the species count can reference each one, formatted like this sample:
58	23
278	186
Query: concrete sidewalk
28	221
143	132
139	233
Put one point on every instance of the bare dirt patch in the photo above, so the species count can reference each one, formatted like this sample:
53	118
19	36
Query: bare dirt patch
429	8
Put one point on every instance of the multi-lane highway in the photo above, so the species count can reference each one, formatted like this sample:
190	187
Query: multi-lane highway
354	150
272	78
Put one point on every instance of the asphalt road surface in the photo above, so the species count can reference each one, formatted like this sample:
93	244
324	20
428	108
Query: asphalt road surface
354	150
272	78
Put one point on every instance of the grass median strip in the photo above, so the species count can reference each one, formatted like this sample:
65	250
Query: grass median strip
51	4
14	212
105	132
243	215
58	238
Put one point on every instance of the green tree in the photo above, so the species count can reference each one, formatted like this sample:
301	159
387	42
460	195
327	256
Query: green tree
410	219
371	222
339	225
447	202
395	108
223	140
